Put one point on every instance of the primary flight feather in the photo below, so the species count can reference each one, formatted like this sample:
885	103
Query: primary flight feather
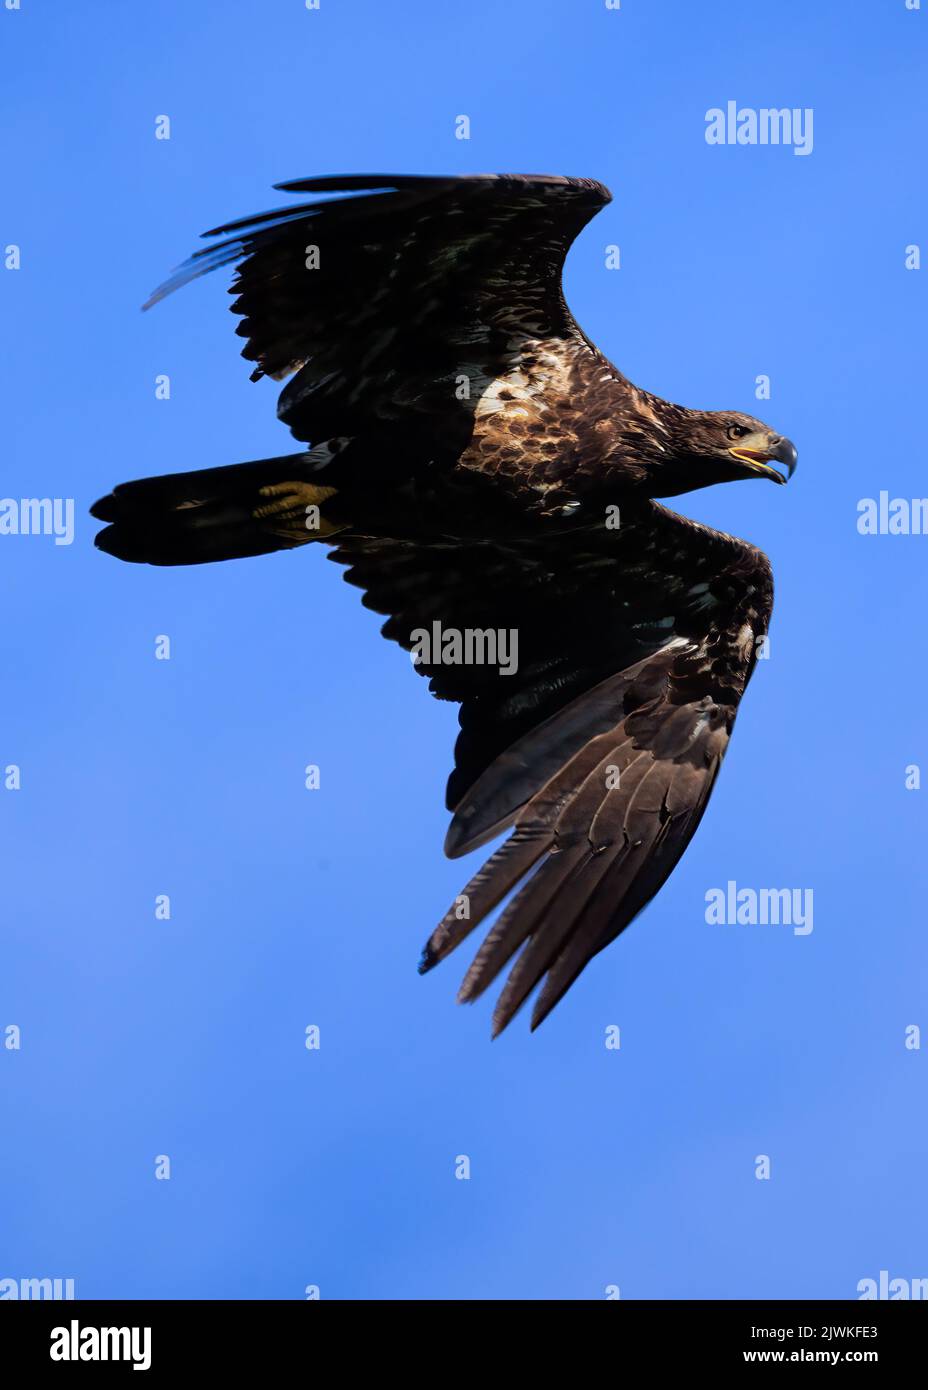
481	468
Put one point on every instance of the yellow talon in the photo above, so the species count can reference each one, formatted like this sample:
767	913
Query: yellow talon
297	506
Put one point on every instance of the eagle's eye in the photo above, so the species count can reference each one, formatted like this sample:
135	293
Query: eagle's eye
737	431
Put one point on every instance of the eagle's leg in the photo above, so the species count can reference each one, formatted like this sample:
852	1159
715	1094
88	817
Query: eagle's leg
298	503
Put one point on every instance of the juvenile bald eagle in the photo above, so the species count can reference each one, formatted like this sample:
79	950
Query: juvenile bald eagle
479	465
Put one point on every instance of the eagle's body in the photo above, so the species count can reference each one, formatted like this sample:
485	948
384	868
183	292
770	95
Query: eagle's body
479	465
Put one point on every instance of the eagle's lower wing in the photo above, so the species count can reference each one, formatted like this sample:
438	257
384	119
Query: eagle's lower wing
601	749
381	300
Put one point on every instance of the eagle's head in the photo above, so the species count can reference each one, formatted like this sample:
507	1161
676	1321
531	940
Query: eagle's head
719	446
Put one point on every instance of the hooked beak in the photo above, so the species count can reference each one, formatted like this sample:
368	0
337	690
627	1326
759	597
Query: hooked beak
757	457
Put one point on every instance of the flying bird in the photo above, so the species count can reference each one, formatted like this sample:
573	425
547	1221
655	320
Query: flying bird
479	467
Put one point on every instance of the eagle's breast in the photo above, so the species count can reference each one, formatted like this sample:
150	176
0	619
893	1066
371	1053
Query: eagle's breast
530	416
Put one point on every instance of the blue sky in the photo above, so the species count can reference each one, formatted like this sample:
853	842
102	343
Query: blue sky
139	1037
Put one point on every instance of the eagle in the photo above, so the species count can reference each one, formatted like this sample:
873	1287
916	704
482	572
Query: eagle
478	466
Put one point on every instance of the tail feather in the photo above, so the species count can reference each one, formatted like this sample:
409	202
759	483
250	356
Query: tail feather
226	513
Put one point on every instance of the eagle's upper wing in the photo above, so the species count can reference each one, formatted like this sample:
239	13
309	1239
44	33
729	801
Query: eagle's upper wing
634	648
380	300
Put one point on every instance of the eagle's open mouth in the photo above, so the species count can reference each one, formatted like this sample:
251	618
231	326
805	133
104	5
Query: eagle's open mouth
758	460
